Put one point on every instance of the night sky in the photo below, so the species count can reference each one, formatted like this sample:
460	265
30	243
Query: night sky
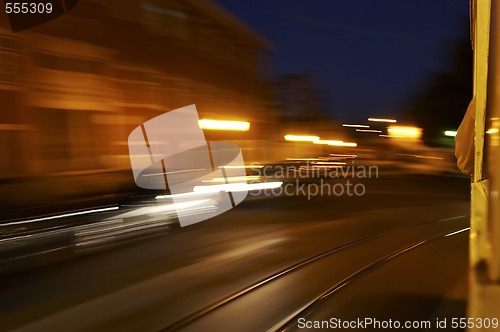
370	56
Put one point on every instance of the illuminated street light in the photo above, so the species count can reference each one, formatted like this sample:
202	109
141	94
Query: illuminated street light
316	140
241	166
369	130
355	125
491	131
301	138
382	120
404	132
335	143
329	142
349	144
236	187
224	125
450	133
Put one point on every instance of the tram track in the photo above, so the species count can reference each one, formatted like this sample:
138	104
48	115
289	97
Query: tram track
401	240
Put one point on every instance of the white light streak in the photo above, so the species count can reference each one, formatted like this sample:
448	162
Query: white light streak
71	214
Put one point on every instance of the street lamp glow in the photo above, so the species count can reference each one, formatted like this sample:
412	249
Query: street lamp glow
325	141
236	187
355	125
404	132
334	143
369	130
381	120
224	125
450	133
301	138
348	144
492	131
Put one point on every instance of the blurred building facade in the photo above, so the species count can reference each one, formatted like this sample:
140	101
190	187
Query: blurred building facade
303	105
72	90
303	109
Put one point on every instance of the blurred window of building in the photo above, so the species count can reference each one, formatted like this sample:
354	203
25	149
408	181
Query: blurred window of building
10	60
10	146
12	132
57	62
68	140
83	139
137	85
53	136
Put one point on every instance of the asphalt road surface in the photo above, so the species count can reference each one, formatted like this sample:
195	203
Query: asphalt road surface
396	254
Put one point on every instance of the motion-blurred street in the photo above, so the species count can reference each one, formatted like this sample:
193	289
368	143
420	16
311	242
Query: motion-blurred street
259	265
225	165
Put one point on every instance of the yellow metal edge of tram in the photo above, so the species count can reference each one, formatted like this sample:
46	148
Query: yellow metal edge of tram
484	241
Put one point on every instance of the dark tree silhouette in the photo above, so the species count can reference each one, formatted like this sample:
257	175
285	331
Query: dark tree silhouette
442	101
